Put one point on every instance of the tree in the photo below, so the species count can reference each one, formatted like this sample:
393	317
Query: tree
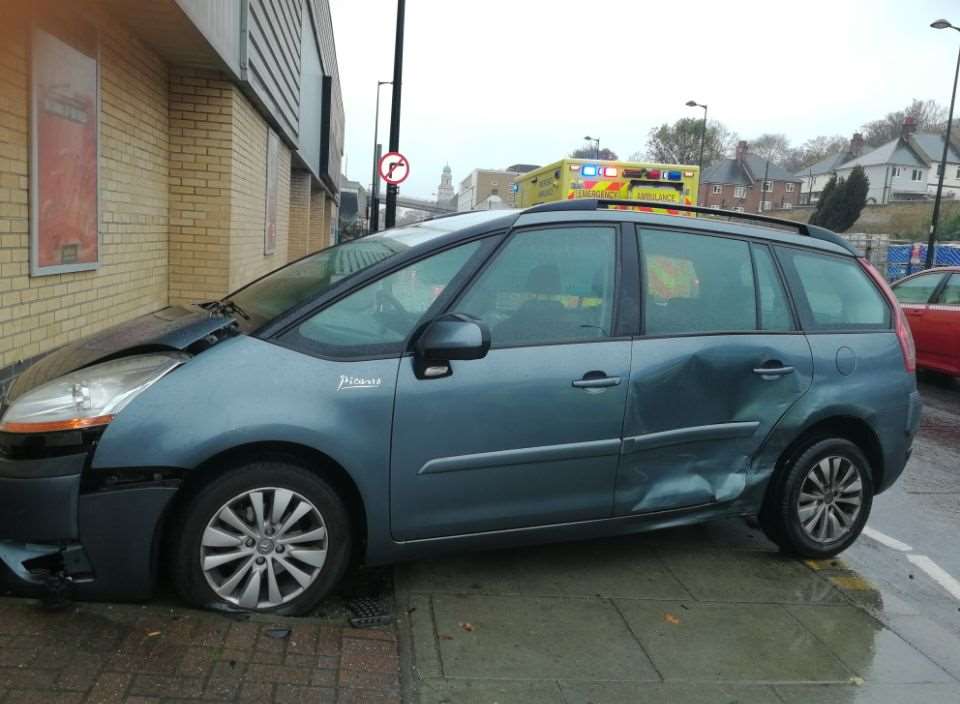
820	212
928	114
679	143
772	147
814	150
842	201
589	151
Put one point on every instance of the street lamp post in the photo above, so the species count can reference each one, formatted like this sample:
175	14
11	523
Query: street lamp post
703	130
931	243
374	216
390	216
597	145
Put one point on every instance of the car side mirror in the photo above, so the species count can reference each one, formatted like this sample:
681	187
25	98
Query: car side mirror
454	336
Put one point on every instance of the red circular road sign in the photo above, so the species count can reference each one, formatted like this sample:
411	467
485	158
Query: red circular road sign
394	168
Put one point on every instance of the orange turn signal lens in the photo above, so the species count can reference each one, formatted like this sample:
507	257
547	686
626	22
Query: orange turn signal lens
55	426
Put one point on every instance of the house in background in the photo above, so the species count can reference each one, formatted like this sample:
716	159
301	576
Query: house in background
932	147
748	184
483	183
898	170
816	176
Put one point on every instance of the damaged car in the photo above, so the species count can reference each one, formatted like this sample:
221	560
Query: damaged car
573	370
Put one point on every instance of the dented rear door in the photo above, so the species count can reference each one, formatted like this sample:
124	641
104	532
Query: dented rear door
707	383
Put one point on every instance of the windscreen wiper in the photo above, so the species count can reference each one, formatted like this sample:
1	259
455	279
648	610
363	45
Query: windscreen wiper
226	308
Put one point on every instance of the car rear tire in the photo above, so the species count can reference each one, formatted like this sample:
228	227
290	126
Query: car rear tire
268	537
820	500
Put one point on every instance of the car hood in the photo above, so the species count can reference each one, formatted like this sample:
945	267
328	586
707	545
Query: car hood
172	328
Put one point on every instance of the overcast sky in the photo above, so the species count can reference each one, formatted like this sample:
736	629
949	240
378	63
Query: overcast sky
496	82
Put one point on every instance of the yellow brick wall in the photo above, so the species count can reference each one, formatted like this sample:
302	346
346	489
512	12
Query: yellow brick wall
201	153
40	313
299	214
248	196
318	221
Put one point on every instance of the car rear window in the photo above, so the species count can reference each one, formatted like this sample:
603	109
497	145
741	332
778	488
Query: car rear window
834	292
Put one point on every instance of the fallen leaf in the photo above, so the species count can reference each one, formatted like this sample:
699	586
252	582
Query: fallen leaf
670	618
468	627
858	681
153	634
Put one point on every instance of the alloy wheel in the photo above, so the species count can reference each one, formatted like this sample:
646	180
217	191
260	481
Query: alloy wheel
830	499
263	548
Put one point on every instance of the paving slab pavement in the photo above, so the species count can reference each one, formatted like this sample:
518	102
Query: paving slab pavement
708	614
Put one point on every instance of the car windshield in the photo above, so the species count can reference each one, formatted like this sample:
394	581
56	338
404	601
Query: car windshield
289	286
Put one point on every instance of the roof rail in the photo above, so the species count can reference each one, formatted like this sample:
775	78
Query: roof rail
802	228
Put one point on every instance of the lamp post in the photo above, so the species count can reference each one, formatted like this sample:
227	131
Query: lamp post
703	130
931	242
374	216
597	145
390	216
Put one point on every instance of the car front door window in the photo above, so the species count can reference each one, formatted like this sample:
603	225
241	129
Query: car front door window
379	317
548	286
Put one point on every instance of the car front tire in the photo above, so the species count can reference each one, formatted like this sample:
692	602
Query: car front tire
820	500
268	536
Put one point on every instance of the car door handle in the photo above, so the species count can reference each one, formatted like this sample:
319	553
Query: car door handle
593	380
773	372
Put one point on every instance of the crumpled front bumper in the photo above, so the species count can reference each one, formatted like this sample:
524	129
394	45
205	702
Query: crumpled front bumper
101	541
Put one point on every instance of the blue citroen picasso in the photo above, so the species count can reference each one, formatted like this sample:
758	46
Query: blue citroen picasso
475	381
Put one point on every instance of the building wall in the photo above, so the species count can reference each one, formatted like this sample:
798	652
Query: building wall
483	183
201	118
727	200
951	180
40	313
318	221
299	230
248	197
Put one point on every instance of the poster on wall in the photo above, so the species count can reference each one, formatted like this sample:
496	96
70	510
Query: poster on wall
273	176
64	147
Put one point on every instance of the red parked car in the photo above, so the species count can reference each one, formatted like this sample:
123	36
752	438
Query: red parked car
931	300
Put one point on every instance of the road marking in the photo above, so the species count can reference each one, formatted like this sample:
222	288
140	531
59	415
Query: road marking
937	573
886	540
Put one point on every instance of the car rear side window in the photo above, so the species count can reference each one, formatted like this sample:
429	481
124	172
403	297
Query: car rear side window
834	293
696	284
918	289
775	313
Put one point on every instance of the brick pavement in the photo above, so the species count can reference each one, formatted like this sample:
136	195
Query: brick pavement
106	654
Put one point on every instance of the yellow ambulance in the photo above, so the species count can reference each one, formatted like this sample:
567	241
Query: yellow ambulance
610	180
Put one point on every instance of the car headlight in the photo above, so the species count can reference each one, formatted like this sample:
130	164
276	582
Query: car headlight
87	397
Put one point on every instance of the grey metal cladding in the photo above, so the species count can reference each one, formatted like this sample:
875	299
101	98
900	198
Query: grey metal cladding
219	22
273	60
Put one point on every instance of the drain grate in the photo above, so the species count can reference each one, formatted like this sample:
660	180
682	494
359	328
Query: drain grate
368	613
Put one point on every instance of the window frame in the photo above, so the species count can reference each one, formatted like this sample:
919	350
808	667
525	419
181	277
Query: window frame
740	192
623	314
794	285
937	298
917	176
934	294
717	189
766	186
751	242
895	172
287	336
790	187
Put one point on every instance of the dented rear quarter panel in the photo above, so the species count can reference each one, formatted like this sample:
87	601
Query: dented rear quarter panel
877	390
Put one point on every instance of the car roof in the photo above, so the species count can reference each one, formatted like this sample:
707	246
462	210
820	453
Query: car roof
448	229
